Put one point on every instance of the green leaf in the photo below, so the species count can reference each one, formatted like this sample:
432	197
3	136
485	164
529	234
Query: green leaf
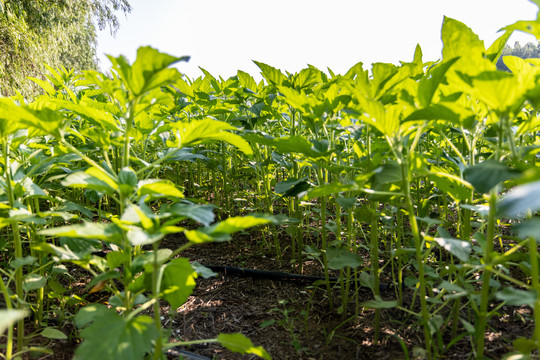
238	223
199	131
339	258
87	230
459	248
178	281
520	201
455	187
203	270
331	189
378	303
10	317
430	82
149	71
486	175
516	297
91	179
528	229
292	187
34	282
200	213
271	74
52	333
111	336
242	345
459	40
25	261
159	188
500	91
287	145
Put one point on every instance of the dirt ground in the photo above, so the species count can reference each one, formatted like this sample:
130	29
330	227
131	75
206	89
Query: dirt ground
292	319
301	324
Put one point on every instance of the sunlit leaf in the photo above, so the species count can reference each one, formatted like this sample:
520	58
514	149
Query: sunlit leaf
178	281
242	345
10	317
520	201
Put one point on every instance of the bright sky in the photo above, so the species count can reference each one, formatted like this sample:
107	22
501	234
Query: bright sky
223	36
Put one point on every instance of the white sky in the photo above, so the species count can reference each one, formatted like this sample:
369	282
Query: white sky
223	36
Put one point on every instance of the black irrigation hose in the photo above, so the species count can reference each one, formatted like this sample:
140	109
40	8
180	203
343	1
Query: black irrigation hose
275	275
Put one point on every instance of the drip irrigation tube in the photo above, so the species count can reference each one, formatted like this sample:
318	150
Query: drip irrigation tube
275	275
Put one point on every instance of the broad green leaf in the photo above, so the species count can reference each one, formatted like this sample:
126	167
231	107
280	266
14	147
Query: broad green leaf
34	282
520	201
25	261
200	213
203	270
292	187
10	317
246	81
111	336
238	223
149	71
116	259
430	82
159	188
516	297
91	111
378	303
500	91
178	281
140	237
87	180
52	333
434	112
459	248
242	345
10	115
339	258
487	174
199	131
292	144
330	189
457	188
271	74
87	230
495	50
531	27
383	118
459	40
135	214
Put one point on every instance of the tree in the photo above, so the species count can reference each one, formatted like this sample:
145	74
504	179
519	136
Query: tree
34	33
529	51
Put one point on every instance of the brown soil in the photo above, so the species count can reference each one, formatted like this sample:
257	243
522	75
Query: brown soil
229	304
292	319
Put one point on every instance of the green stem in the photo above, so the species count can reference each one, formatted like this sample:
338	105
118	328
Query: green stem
156	282
485	290
375	265
535	284
17	243
129	124
419	257
324	241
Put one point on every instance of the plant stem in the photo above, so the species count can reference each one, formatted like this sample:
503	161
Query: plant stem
419	257
485	290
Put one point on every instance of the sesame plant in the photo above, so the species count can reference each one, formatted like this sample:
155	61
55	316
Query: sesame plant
420	179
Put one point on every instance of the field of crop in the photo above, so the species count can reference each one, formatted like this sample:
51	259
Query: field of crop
408	193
